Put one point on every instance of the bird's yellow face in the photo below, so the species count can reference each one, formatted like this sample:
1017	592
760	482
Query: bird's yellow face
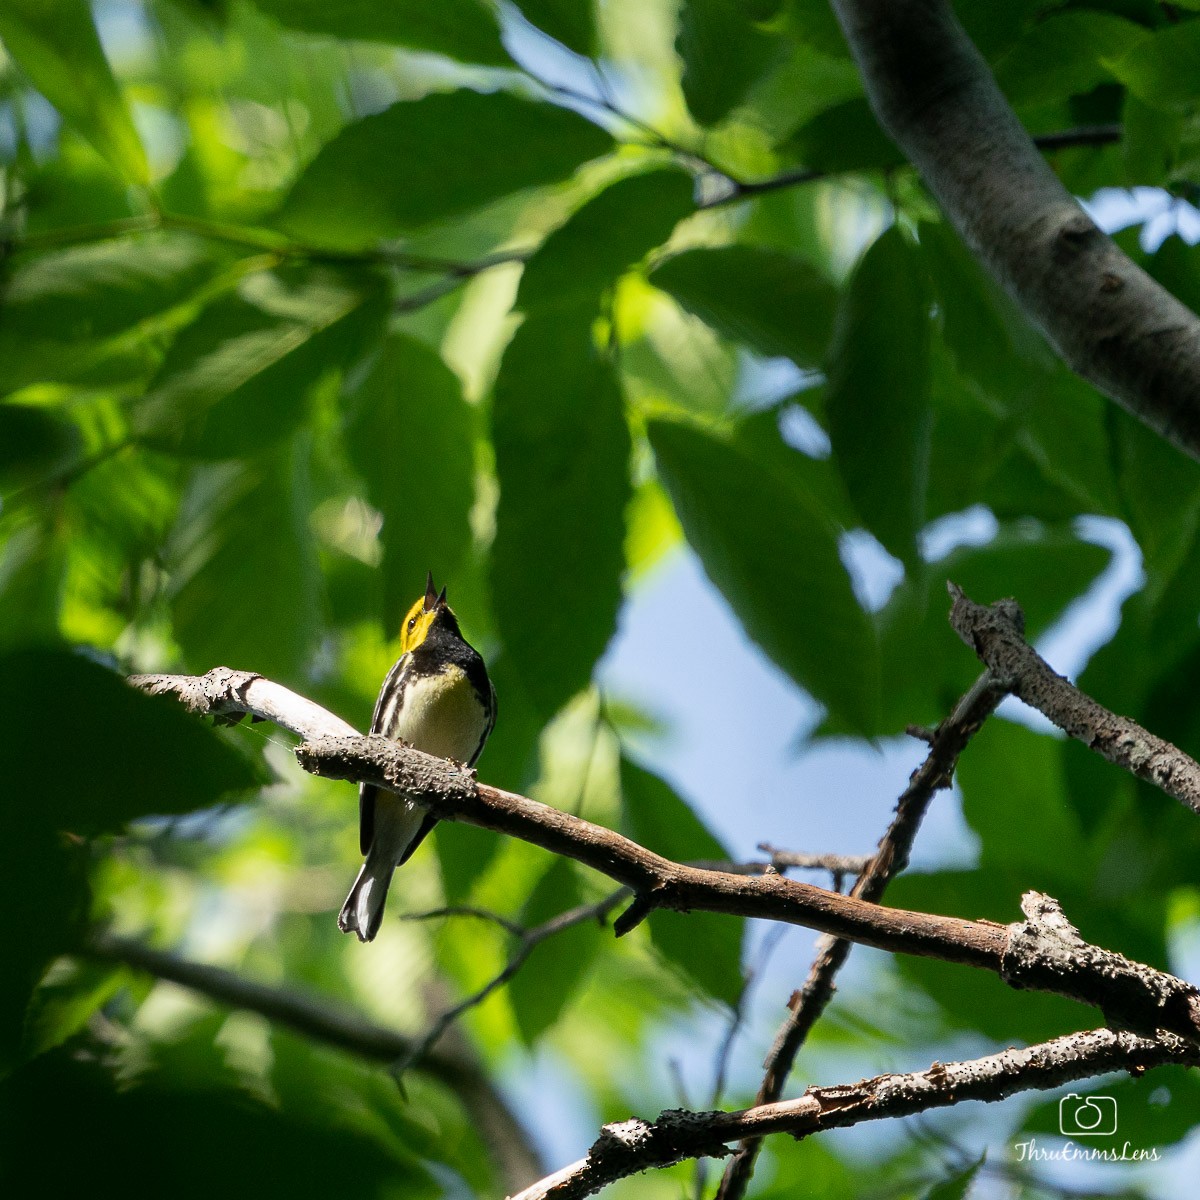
420	618
416	626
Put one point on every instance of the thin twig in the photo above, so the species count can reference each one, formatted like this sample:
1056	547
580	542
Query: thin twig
805	1007
741	189
528	939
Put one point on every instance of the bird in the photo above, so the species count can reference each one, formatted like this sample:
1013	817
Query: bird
437	698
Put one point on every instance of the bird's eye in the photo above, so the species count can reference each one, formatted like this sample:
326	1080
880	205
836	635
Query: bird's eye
412	624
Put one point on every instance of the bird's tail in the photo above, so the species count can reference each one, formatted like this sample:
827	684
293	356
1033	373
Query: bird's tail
363	910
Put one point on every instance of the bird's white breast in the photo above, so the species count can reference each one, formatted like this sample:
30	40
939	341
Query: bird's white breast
442	714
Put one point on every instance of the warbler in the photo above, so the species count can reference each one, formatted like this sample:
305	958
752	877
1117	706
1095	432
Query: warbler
437	698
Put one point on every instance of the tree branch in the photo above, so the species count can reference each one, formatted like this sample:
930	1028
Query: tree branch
998	641
515	1159
1110	322
805	1007
632	1146
1140	997
746	189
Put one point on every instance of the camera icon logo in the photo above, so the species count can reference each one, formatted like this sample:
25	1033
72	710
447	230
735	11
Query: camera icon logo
1087	1116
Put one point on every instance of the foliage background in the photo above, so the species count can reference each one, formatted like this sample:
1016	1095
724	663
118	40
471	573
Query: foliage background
300	301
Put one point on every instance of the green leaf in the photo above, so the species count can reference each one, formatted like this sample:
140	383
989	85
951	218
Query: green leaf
1064	55
181	764
611	233
1157	1109
844	138
877	393
34	443
457	155
411	437
1160	488
991	341
465	30
63	1005
240	377
571	22
956	1185
925	667
246	590
562	453
33	564
723	53
1012	784
707	947
774	303
775	559
167	1129
1161	69
978	1001
86	754
61	310
56	45
557	968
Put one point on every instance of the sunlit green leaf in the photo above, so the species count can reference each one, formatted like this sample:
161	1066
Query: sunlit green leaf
561	458
411	436
240	377
457	155
775	304
775	560
62	310
1065	54
462	29
56	45
611	233
707	947
1161	68
246	592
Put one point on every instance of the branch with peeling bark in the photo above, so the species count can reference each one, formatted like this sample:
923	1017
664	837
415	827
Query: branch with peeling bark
1138	996
632	1146
998	640
1111	323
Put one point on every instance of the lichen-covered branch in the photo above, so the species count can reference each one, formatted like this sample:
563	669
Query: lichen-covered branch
998	640
629	1147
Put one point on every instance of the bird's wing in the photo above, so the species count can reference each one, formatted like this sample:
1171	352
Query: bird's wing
380	719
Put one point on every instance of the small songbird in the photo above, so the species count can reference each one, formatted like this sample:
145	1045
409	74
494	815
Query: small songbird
436	698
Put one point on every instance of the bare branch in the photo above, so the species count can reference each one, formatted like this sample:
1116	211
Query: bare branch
1110	322
1148	999
805	1007
633	1146
997	639
514	1157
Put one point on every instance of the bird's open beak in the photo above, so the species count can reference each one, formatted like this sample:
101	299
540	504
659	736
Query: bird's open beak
431	596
